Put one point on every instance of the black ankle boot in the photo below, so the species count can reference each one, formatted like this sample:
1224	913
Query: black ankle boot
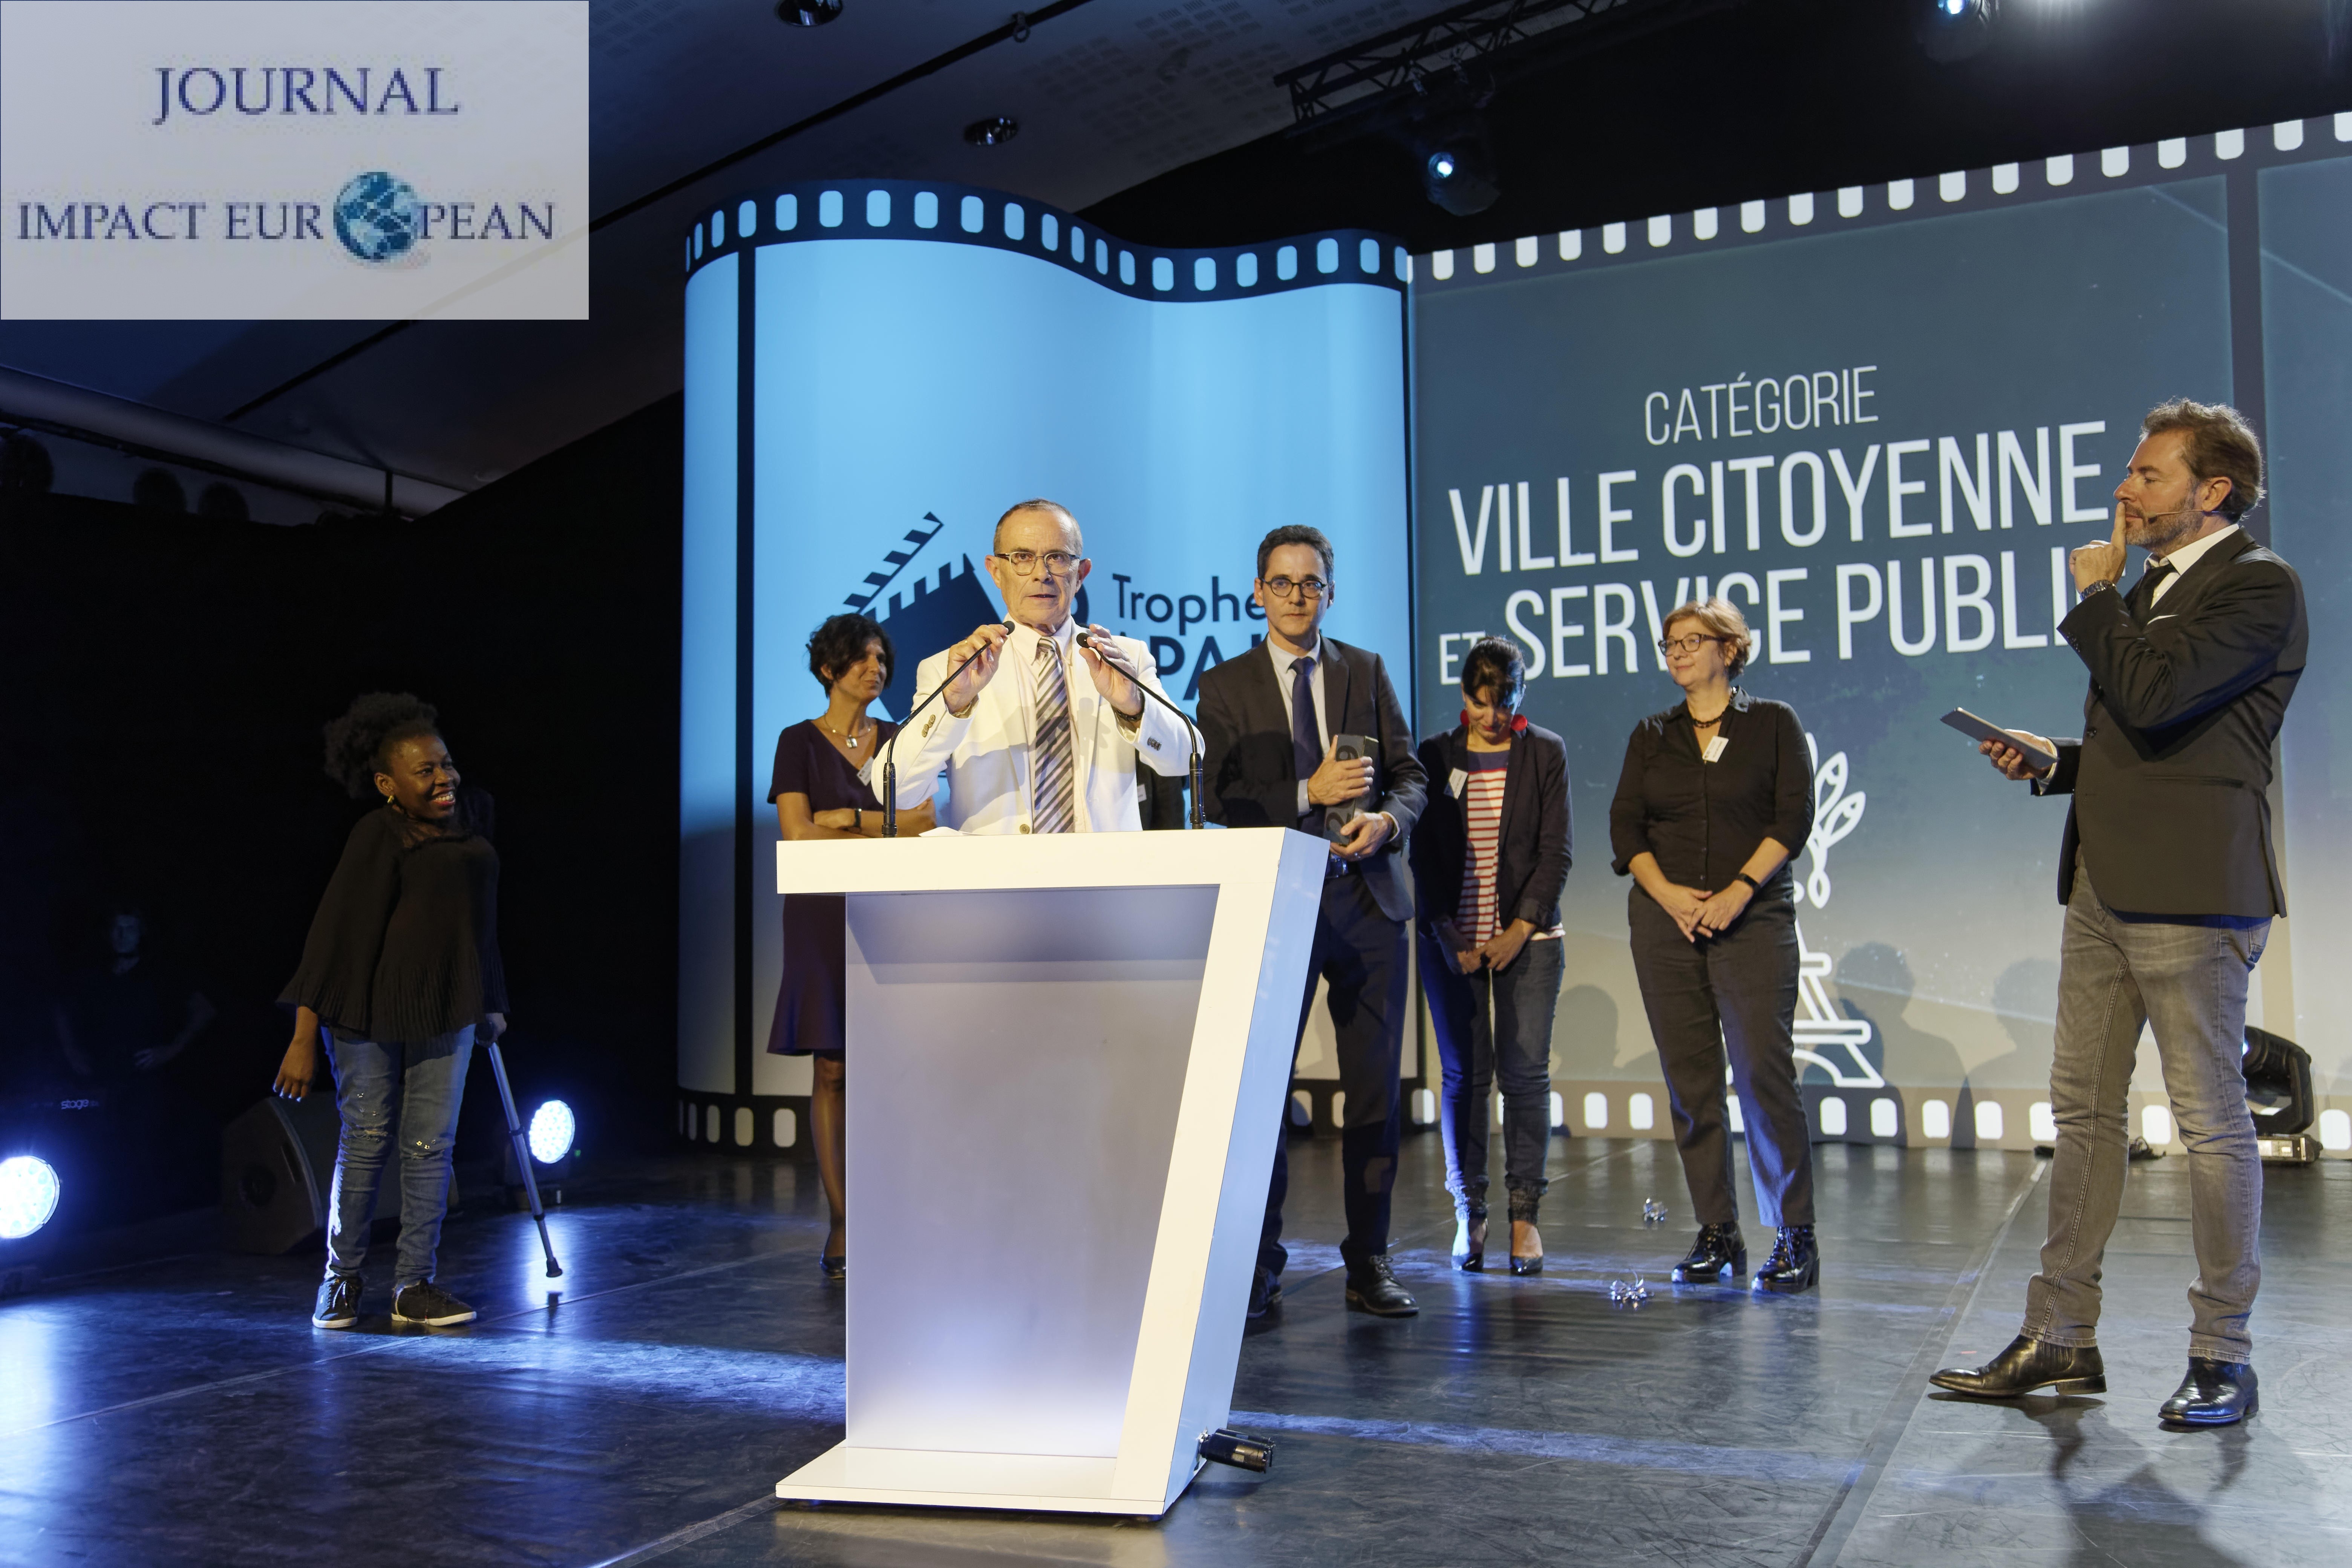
1717	1254
1795	1264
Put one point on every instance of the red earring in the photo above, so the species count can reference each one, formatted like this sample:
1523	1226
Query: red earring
1519	723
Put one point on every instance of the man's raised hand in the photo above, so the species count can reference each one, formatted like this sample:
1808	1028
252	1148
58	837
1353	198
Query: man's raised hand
988	641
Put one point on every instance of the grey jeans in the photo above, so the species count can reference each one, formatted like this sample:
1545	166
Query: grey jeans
2118	971
426	1078
1515	1047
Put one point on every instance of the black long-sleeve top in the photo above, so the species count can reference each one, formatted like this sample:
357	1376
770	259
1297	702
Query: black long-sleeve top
1701	819
405	942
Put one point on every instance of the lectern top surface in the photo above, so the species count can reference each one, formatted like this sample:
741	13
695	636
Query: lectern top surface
1218	856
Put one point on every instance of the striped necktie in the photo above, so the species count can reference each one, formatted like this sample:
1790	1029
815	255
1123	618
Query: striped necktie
1055	795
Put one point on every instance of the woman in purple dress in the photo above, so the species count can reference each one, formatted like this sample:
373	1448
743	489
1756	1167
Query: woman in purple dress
818	795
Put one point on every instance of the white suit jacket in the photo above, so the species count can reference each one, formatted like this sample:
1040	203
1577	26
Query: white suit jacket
988	753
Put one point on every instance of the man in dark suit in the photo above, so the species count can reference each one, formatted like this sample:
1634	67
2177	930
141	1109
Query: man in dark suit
2169	884
1268	718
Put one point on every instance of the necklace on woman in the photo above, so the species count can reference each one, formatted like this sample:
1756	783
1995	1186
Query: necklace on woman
849	739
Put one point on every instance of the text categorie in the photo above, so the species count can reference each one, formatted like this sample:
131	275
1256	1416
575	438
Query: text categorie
1993	480
1179	661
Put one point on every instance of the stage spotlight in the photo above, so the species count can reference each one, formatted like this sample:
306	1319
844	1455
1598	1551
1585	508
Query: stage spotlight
1952	30
28	1195
551	1129
807	13
1459	179
993	131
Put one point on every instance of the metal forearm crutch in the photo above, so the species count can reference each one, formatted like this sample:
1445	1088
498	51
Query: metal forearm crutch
522	1161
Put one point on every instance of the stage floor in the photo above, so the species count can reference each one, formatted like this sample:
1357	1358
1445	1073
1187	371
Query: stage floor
183	1411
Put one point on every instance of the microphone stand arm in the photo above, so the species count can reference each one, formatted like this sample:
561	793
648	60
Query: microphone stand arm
1198	814
891	755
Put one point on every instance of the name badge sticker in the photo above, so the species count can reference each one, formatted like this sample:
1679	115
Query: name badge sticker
1456	783
1714	749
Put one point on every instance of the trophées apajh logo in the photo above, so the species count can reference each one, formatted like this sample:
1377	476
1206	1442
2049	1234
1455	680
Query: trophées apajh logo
377	217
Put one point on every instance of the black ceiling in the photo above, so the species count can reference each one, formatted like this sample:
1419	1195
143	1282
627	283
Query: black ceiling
1161	120
1669	106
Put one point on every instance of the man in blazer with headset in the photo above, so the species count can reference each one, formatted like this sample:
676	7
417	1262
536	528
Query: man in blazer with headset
2169	884
1268	719
1050	745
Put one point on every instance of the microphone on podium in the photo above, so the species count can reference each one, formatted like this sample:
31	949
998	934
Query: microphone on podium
890	757
1198	813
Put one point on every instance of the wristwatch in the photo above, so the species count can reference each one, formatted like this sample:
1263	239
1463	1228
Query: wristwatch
1753	884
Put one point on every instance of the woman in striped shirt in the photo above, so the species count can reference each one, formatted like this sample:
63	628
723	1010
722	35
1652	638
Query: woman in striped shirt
1489	858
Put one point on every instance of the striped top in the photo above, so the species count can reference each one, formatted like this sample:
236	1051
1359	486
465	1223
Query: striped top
1482	816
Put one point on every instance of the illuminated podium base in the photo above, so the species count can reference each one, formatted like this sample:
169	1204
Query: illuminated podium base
1067	1059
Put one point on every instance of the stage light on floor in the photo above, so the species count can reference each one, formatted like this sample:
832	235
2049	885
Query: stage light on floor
993	131
28	1195
1226	1447
807	13
551	1130
1952	30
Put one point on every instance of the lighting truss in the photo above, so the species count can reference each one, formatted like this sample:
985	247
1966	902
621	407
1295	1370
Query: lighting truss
1406	54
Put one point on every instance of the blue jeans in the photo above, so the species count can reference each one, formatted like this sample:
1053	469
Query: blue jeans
1515	1047
426	1080
2187	978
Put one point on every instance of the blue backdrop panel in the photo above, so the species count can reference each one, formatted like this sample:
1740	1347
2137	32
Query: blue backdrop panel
921	356
1876	419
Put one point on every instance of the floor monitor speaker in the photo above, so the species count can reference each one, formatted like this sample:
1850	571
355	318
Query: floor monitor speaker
277	1171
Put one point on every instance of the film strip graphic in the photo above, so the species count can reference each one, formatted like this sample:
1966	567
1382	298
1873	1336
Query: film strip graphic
923	611
1896	201
945	214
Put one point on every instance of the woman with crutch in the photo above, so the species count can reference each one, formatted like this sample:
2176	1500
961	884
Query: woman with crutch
400	975
1490	856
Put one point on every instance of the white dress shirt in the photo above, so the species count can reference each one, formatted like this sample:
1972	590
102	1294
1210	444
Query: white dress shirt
2182	559
1281	679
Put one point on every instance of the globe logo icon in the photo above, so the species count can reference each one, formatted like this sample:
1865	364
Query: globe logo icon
377	215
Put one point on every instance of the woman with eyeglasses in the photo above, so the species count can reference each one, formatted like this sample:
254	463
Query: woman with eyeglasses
1490	855
817	794
1716	796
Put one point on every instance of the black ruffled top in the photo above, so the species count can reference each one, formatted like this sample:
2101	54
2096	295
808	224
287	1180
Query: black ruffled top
405	946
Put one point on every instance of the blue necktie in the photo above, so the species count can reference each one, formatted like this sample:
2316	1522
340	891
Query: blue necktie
1306	743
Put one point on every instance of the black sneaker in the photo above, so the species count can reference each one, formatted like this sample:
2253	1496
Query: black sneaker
1265	1293
425	1302
339	1302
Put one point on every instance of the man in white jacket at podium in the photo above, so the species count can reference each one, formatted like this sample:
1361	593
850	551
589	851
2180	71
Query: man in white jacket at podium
1038	734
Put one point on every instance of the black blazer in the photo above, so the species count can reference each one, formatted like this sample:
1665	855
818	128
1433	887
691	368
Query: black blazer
2170	779
1249	772
1534	845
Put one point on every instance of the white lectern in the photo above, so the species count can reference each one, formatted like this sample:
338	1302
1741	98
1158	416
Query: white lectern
1067	1059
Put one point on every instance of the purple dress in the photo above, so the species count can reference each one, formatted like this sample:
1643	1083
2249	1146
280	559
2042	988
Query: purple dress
809	1003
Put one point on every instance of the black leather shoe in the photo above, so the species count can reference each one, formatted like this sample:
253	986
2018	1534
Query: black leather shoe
834	1265
1795	1264
2214	1394
1373	1287
2027	1365
1717	1254
1265	1294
